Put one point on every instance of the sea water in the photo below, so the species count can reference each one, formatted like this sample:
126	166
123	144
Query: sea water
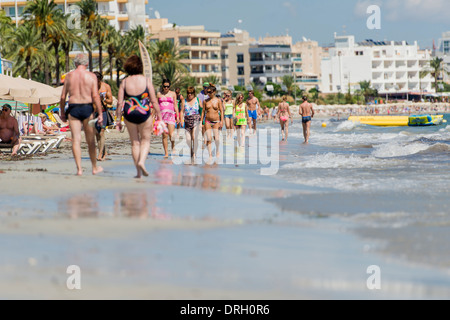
381	163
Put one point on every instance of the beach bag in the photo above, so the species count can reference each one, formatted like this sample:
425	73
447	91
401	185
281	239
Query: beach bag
235	121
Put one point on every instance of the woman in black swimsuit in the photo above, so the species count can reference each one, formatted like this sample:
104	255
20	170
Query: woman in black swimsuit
136	99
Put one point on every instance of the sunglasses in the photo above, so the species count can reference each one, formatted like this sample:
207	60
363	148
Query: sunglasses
5	109
166	86
190	93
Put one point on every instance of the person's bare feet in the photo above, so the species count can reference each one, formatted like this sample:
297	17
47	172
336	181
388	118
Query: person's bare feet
79	173
143	170
97	170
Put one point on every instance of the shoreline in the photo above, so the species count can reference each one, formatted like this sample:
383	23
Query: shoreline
187	232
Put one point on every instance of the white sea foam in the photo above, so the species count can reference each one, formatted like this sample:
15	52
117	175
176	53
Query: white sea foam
332	160
396	149
347	126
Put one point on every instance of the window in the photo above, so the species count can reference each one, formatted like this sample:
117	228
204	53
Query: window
446	46
12	12
241	82
240	58
241	71
184	41
171	40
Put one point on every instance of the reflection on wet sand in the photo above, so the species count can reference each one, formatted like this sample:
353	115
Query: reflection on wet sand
79	206
208	181
139	205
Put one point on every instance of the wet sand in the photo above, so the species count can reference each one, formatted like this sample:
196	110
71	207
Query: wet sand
185	232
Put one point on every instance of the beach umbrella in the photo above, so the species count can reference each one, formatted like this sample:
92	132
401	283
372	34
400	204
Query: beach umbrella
10	87
40	93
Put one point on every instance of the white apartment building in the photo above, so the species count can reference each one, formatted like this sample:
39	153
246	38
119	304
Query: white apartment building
443	51
393	68
122	14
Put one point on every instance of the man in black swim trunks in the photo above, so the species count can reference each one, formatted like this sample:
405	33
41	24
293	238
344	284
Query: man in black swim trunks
82	88
307	112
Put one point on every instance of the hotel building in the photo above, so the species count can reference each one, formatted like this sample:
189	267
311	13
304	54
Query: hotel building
202	47
122	14
393	68
235	58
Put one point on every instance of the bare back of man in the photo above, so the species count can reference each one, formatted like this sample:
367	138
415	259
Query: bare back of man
82	88
306	110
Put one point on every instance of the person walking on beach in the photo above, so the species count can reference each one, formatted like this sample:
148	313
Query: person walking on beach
241	116
9	129
191	111
82	88
284	114
228	106
252	105
136	99
169	111
180	101
203	95
213	114
106	99
307	112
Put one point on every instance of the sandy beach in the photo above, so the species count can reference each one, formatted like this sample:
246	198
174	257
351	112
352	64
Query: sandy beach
195	232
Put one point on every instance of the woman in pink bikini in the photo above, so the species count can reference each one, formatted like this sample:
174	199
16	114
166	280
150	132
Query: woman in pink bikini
284	114
169	112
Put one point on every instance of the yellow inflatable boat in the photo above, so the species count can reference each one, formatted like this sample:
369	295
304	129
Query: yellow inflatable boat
399	121
425	120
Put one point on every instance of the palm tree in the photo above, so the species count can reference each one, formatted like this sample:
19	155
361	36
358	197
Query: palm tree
42	14
288	81
436	70
112	42
121	54
69	39
6	28
27	48
88	17
211	79
163	53
136	34
101	32
366	89
56	35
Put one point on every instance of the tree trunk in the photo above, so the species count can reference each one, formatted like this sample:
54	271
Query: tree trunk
28	62
110	67
118	73
100	58
46	69
57	65
67	52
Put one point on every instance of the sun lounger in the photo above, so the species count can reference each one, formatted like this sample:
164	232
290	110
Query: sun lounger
59	121
8	146
47	142
28	147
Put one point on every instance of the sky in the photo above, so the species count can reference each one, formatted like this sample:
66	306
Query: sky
410	20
